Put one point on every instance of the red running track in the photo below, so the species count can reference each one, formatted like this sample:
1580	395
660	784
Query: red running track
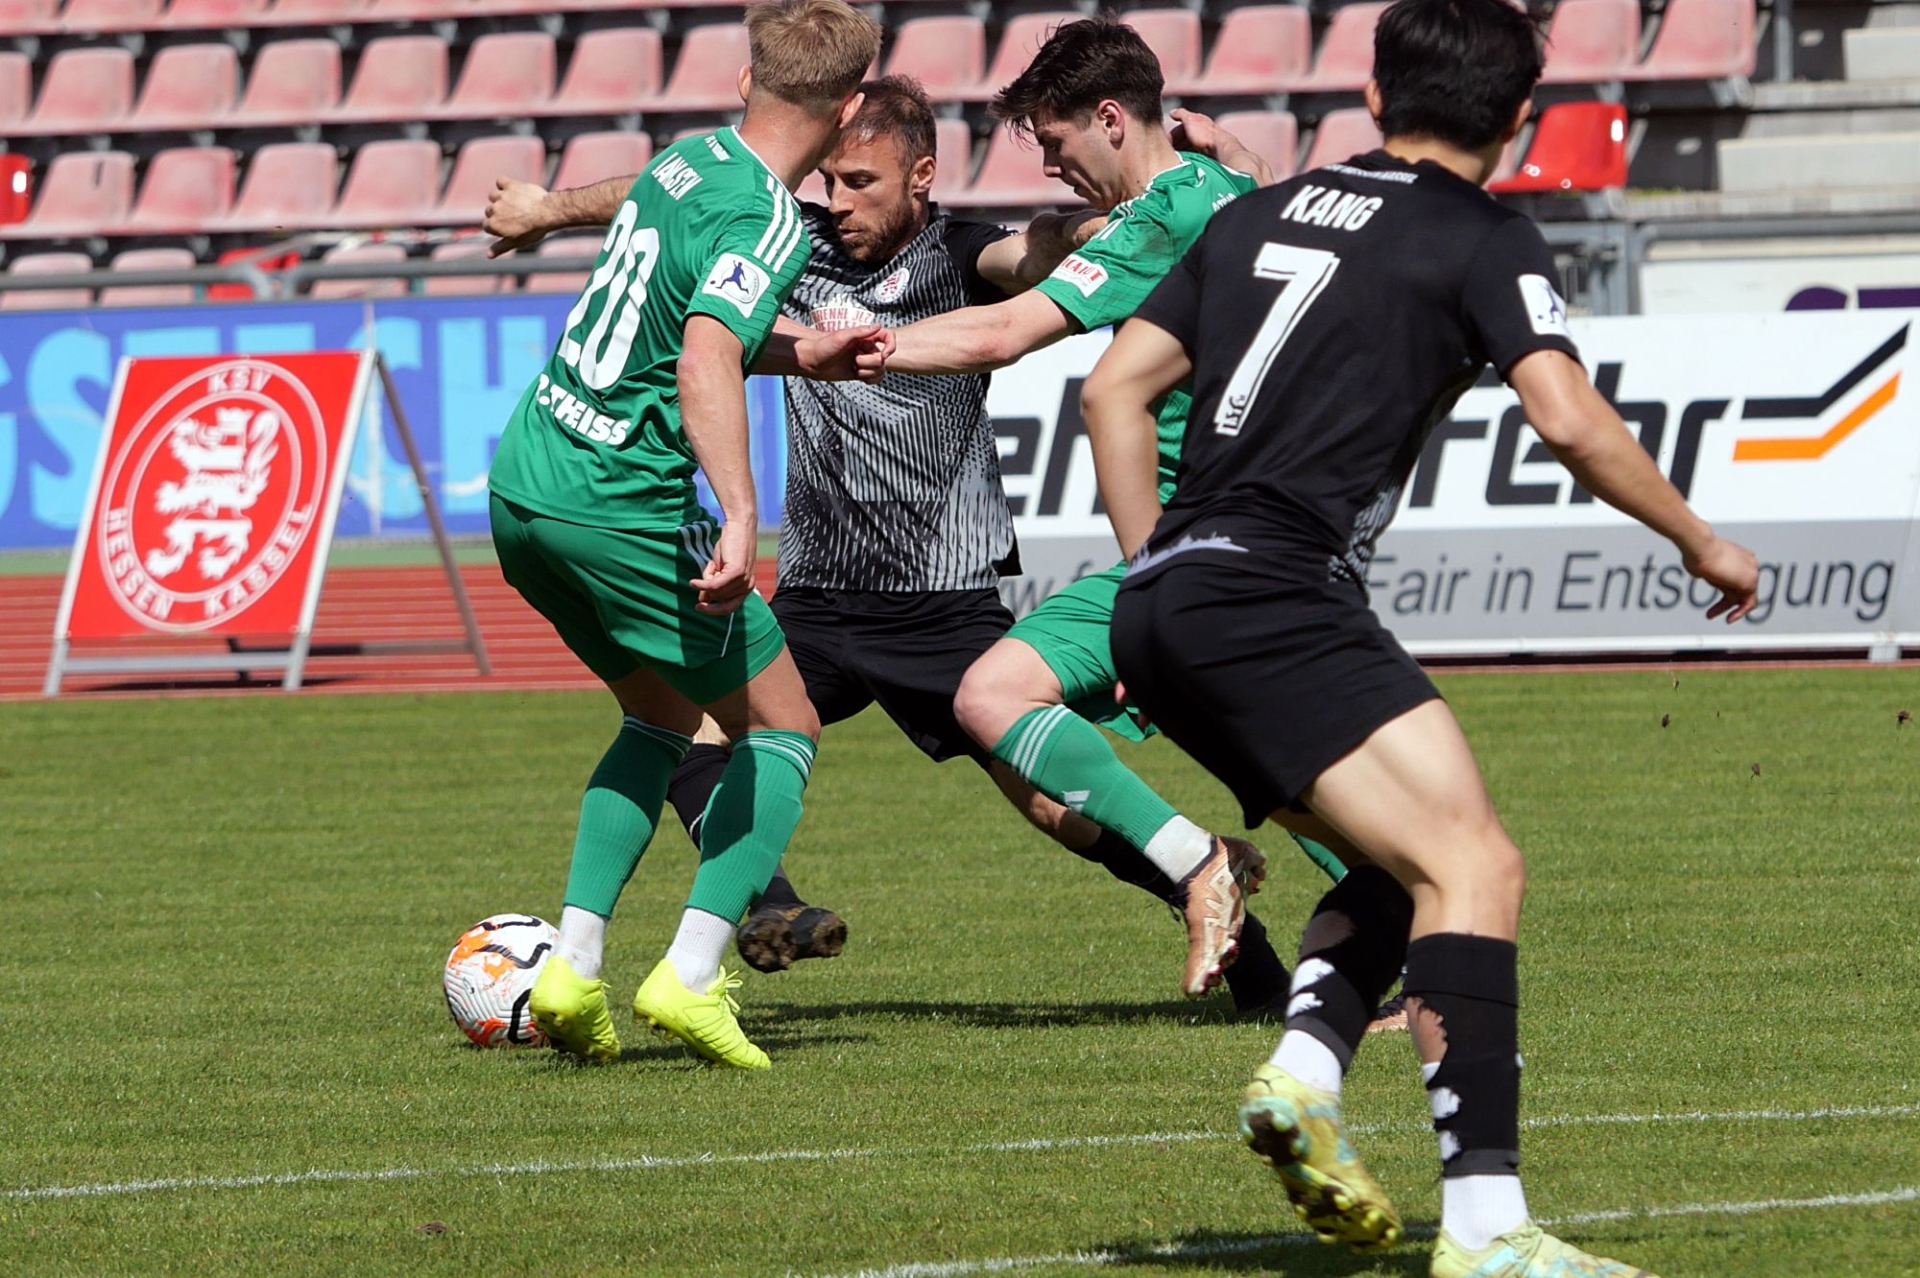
357	605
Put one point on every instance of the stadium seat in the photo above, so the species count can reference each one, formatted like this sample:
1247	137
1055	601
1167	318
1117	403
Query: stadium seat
293	82
29	17
1010	176
813	189
586	246
505	76
948	55
189	86
1592	41
47	299
215	13
186	190
953	160
1174	37
706	74
612	72
84	91
81	193
16	88
1019	41
1342	135
1701	40
287	185
1272	135
339	290
399	78
391	183
151	259
299	13
479	163
1260	49
89	16
595	157
463	285
1577	146
1346	50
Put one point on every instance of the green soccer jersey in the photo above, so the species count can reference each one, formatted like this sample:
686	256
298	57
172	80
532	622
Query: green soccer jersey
596	439
1107	279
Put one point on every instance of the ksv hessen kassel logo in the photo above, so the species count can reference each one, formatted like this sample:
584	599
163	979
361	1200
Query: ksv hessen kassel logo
210	496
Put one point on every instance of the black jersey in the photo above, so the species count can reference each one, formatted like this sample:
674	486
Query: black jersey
895	485
1333	320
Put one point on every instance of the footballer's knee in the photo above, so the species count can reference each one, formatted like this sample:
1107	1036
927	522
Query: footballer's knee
1006	682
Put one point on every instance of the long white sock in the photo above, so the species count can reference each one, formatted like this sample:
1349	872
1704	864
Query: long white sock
583	939
1179	848
1309	1060
1478	1209
697	947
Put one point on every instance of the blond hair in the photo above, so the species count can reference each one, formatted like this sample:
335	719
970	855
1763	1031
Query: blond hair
813	53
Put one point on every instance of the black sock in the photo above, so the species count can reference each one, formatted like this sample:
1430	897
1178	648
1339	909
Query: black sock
1472	984
1256	978
779	891
1130	865
693	784
1350	956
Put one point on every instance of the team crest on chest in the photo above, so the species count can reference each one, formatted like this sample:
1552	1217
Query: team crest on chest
890	289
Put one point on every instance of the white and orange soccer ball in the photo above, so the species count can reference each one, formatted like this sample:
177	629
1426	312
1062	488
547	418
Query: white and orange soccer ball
490	976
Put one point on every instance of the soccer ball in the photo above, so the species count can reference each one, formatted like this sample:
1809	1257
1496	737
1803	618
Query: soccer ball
490	976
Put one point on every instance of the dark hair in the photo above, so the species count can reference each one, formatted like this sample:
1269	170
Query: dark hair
896	106
1454	70
1081	65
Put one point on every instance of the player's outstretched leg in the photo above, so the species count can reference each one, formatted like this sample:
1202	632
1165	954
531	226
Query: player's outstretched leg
618	815
1290	1113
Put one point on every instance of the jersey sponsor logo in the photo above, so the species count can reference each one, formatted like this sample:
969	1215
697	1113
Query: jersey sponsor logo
1340	210
737	280
890	289
577	415
1377	175
841	313
676	175
1544	307
208	501
1082	274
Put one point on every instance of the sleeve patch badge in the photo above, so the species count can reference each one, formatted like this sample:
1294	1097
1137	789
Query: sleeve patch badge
737	280
1544	307
1082	274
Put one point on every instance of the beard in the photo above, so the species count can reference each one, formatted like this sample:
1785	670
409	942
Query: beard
881	239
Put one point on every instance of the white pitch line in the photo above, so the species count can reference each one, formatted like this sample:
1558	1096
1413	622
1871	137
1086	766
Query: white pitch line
1036	1144
1240	1246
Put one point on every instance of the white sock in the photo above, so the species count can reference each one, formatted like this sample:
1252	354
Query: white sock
583	939
1179	848
697	947
1478	1209
1309	1060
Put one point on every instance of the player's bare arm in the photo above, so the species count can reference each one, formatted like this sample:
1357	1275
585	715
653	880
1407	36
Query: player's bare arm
795	350
1018	262
979	339
1194	131
1587	436
713	408
1143	363
521	214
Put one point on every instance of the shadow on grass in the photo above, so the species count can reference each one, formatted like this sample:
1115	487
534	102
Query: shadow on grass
1291	1254
991	1015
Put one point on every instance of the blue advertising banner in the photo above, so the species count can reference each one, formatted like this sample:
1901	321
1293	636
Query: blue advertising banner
460	364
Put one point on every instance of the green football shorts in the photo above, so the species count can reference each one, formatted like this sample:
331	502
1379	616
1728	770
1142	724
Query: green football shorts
1069	631
620	600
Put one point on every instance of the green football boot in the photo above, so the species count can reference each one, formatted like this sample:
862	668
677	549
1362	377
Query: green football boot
1525	1253
572	1012
1296	1128
704	1022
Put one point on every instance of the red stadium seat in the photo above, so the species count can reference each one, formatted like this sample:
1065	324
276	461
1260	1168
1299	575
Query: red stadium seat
475	169
418	10
29	17
1260	49
586	246
47	299
1174	37
287	13
288	185
1342	135
813	189
338	290
186	190
16	88
953	159
399	78
1010	176
506	75
189	86
706	75
1274	136
150	259
81	193
1346	50
595	157
113	15
948	55
463	285
85	91
216	13
1592	41
1701	40
612	72
1577	146
293	82
391	183
1020	39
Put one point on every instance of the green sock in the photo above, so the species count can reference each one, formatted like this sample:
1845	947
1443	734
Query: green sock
1068	760
619	812
1323	857
751	816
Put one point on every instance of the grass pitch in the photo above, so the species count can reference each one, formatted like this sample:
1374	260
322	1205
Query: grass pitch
235	910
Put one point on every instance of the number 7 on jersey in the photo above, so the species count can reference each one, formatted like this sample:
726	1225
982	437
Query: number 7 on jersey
1303	274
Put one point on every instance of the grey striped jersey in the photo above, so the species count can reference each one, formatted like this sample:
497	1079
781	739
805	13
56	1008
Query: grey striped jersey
895	486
